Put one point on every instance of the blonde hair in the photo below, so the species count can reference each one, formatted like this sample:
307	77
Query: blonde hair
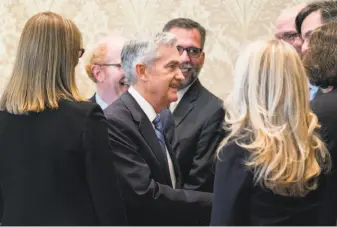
268	113
102	52
44	68
97	56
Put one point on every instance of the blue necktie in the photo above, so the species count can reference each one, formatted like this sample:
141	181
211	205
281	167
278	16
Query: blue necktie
158	128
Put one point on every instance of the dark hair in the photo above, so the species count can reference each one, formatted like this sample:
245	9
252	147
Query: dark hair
328	10
321	58
186	24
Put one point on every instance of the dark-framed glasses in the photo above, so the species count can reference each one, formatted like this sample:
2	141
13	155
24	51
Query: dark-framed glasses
193	52
81	52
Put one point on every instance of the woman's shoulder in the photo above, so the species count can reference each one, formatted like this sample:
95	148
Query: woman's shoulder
233	150
79	108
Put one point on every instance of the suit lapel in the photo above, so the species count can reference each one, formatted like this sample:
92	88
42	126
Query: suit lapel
150	137
93	98
148	133
187	103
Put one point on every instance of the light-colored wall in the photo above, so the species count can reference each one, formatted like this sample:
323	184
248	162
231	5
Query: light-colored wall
230	25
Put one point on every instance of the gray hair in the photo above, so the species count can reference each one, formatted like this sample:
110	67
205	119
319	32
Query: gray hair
143	51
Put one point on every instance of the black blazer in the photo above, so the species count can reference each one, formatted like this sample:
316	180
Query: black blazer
56	168
238	202
325	107
144	172
198	118
93	98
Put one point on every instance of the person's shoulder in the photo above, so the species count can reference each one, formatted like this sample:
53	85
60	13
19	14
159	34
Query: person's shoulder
209	100
117	111
232	150
325	102
79	108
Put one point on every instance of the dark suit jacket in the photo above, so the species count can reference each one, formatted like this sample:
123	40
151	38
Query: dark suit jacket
198	118
238	202
56	168
144	173
93	98
325	107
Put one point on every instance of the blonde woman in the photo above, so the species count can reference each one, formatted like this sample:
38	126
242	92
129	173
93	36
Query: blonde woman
55	158
271	162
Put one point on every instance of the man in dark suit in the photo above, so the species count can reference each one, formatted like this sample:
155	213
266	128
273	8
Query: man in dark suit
198	113
148	172
104	69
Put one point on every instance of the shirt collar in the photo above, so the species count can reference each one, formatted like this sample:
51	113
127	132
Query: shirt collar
145	105
100	101
182	92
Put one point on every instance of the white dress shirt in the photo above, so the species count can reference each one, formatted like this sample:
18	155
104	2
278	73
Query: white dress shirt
181	94
151	114
100	102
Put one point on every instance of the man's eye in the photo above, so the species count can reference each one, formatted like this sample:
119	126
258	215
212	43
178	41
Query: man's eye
192	50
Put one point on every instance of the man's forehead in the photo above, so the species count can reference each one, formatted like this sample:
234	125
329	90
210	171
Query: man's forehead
186	35
286	20
168	53
286	25
113	45
114	52
311	22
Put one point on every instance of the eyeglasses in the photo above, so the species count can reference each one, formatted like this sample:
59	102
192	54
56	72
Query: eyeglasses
193	52
119	66
81	52
290	37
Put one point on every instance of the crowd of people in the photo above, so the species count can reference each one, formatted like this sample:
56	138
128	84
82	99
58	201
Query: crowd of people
153	146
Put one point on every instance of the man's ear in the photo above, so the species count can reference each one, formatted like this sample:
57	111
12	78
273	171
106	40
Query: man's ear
202	57
141	72
96	71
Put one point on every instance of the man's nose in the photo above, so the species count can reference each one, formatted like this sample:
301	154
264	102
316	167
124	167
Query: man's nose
179	76
298	44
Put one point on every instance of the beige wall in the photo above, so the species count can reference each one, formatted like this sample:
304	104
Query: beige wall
230	25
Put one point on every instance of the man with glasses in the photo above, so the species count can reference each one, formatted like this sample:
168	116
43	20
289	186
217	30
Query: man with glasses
286	28
198	113
104	69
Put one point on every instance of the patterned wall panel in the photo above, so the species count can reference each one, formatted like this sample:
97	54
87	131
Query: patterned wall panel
230	25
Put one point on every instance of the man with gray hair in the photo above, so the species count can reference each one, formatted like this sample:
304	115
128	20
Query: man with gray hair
148	171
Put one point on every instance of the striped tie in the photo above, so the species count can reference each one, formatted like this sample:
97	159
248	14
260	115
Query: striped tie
159	132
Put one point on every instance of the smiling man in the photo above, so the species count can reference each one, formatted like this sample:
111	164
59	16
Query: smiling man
149	174
104	69
198	113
